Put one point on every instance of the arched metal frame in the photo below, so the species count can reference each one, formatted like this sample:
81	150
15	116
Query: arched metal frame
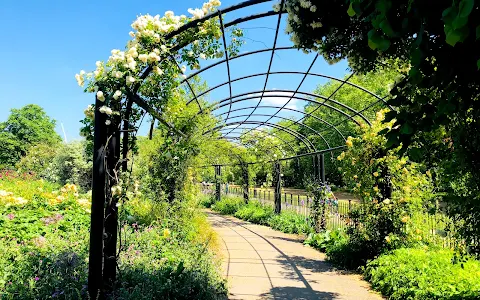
98	231
320	101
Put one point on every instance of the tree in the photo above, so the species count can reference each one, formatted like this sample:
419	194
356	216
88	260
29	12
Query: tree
440	89
25	127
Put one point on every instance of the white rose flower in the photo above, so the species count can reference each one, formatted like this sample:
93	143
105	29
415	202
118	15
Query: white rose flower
130	79
143	57
203	56
100	96
98	64
169	14
117	94
108	122
118	74
190	53
105	110
183	68
163	47
157	70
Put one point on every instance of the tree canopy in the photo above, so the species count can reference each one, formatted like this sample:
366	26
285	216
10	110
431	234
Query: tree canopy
25	127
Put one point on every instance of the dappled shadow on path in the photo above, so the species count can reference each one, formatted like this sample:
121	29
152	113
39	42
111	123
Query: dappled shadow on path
303	293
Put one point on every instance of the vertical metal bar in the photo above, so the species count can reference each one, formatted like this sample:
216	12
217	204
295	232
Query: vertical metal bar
111	211
95	258
277	194
245	183
322	167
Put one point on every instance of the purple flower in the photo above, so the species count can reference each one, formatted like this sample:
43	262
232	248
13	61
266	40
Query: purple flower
11	216
37	278
302	202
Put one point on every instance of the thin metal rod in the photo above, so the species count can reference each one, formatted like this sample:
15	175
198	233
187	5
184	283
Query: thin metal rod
188	83
286	108
294	93
301	137
226	60
271	60
282	118
143	104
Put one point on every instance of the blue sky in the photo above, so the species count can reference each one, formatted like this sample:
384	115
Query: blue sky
45	43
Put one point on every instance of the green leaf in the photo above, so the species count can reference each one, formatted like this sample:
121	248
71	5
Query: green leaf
459	22
449	15
350	10
406	129
385	26
416	57
452	36
415	154
392	140
376	41
383	6
478	64
465	7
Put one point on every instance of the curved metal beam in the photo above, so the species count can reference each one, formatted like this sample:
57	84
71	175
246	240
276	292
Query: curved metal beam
270	134
283	118
304	139
287	108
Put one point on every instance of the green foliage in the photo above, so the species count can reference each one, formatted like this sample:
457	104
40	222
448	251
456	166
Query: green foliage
290	222
44	246
10	150
228	205
325	240
70	166
25	127
38	160
255	212
424	274
258	213
439	89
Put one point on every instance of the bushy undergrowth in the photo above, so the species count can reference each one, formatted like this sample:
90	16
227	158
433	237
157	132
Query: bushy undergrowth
229	205
258	213
255	212
166	249
424	274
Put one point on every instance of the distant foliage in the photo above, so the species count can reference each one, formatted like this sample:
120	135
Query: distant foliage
24	128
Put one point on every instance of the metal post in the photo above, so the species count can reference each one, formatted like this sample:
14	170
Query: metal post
95	258
245	183
277	194
111	211
322	167
218	173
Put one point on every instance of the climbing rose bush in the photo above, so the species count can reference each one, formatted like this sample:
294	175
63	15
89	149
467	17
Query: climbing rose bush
392	190
150	61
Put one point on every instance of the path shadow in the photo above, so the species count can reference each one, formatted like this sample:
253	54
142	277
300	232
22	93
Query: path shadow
303	293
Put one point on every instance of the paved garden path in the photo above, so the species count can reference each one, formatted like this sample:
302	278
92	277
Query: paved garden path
261	263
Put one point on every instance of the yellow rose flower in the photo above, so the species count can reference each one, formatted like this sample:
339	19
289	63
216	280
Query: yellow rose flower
375	174
405	219
375	188
387	239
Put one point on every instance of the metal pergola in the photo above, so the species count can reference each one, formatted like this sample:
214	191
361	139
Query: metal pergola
107	139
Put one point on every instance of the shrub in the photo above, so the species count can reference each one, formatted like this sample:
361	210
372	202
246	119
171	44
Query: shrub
206	200
326	239
290	222
44	246
255	212
38	160
228	205
424	274
71	166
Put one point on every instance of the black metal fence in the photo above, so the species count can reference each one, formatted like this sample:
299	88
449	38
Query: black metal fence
435	227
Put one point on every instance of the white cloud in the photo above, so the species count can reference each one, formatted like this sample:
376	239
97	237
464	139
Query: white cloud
281	99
